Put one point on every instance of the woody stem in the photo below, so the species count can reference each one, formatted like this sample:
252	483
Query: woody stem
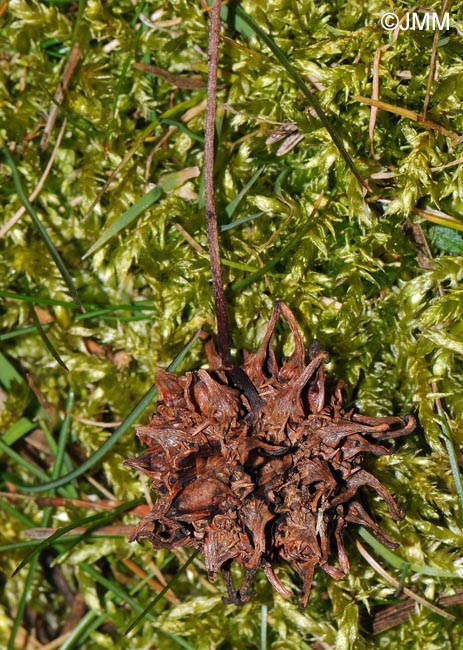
223	330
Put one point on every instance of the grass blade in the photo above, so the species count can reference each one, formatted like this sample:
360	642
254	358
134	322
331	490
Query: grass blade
136	622
36	471
263	627
231	207
125	219
184	129
48	344
398	562
89	622
439	217
453	460
43	233
282	58
113	588
22	331
37	300
22	604
17	514
239	222
26	589
166	183
8	373
17	431
63	437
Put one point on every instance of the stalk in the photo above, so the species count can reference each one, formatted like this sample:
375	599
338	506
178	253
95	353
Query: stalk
223	329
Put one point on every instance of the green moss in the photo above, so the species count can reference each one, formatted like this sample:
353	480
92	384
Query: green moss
352	278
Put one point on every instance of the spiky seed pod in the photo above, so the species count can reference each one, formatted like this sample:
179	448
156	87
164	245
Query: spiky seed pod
261	463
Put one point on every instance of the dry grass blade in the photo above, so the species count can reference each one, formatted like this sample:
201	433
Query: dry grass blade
71	65
179	81
433	59
405	112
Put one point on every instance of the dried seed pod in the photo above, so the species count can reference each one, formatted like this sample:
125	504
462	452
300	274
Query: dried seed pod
260	464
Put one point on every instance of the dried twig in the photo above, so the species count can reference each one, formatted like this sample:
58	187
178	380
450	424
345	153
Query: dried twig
375	91
71	65
440	168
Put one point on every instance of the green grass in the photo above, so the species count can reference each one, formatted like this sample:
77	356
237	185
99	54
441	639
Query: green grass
106	277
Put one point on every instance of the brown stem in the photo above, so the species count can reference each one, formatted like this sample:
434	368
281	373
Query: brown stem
223	330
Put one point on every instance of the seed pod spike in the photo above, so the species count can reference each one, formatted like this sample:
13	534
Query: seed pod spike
297	359
262	364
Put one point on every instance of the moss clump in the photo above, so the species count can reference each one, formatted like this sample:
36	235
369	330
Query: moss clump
349	272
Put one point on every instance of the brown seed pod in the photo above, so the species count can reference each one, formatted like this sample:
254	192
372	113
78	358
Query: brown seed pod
261	463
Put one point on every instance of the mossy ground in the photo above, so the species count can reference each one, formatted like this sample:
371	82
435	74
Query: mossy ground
352	273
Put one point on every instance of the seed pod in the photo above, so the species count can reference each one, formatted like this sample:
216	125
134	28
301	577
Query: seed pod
261	464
